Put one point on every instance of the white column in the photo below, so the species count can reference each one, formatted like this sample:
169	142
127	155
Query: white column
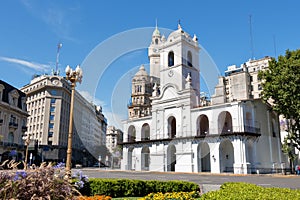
214	157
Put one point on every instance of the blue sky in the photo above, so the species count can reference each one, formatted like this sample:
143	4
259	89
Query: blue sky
31	30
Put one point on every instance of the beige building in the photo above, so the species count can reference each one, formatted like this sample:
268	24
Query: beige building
113	137
48	104
13	118
240	83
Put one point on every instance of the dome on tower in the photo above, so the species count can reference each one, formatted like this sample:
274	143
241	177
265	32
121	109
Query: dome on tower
156	32
178	33
141	74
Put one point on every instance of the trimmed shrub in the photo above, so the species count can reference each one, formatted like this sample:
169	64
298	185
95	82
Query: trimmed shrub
97	197
251	191
172	195
127	188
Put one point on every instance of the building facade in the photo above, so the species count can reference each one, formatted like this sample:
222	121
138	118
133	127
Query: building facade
114	137
233	133
48	105
13	117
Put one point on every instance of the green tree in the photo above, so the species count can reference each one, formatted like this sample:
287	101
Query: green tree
281	84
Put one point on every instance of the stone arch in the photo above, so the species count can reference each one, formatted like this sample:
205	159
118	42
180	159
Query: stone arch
171	158
172	127
131	133
202	125
226	156
145	132
145	158
130	158
203	157
224	122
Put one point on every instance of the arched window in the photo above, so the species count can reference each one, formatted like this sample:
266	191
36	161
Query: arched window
172	127
145	132
189	59
225	122
171	59
156	41
203	125
131	134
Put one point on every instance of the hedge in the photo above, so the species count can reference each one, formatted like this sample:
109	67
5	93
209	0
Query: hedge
134	188
251	191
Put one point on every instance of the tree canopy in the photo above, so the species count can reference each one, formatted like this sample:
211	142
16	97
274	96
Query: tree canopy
281	84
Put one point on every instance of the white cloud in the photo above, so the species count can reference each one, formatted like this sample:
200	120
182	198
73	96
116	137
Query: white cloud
28	64
91	98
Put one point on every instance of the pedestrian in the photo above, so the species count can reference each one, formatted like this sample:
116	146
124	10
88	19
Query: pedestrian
298	170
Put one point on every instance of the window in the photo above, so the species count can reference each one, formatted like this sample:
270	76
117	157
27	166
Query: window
156	41
52	109
53	100
51	125
171	59
50	134
51	117
189	59
11	137
259	87
53	92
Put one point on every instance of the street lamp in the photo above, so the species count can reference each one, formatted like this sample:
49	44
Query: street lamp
27	142
73	77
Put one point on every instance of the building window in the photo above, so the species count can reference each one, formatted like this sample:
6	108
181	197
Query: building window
53	92
51	117
171	59
259	87
11	137
51	125
50	134
53	100
52	109
189	59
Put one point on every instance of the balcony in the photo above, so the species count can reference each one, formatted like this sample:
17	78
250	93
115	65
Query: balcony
13	125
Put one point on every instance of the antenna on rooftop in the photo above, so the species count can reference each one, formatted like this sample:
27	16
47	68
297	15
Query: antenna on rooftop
59	46
251	37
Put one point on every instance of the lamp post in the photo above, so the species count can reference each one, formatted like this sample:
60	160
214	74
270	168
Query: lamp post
27	142
73	77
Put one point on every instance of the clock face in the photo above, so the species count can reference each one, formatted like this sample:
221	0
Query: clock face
171	73
155	50
55	82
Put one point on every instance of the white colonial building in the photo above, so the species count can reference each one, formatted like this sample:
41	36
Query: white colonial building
170	128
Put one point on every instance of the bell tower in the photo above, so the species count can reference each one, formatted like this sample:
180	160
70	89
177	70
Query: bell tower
154	53
179	61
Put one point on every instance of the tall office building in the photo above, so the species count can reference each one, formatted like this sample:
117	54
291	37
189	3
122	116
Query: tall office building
48	105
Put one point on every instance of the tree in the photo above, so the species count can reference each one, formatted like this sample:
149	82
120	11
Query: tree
281	84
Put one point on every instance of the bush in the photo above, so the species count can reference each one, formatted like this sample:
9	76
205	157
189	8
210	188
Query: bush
250	191
97	197
173	196
44	182
127	188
